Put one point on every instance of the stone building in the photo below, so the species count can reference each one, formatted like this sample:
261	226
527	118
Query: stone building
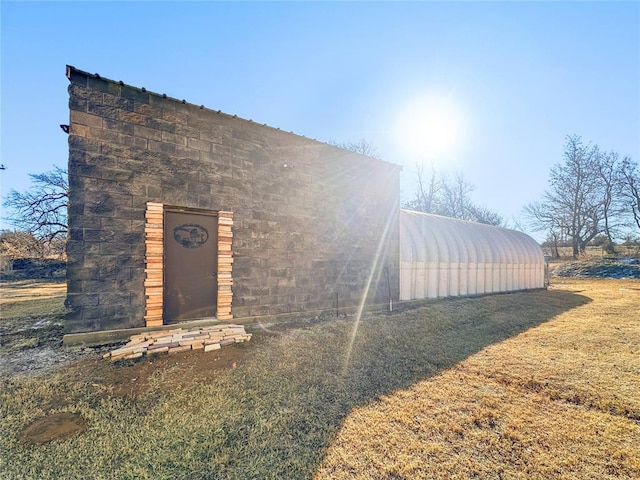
178	212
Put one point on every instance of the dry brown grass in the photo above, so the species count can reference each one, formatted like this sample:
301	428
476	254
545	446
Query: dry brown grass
594	252
28	298
31	316
504	386
561	401
28	290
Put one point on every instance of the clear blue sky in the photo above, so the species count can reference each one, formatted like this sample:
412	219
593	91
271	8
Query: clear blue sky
521	76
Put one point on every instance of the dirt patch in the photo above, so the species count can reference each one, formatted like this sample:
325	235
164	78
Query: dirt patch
57	426
33	346
40	360
129	378
132	378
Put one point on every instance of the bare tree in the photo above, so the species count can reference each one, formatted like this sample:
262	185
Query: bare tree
553	241
21	244
542	217
456	200
608	171
42	209
482	214
441	194
427	195
630	178
573	203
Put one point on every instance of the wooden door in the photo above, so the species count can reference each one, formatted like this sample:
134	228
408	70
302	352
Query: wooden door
191	260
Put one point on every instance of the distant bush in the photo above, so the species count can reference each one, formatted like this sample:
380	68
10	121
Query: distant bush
21	244
34	269
599	268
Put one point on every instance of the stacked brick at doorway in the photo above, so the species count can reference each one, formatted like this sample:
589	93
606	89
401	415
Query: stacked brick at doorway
179	340
225	264
153	283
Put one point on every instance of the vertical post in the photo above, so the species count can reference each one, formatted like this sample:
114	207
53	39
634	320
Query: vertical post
546	270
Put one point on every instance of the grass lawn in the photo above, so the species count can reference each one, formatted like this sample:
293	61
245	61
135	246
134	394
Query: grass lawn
560	401
31	298
31	316
542	384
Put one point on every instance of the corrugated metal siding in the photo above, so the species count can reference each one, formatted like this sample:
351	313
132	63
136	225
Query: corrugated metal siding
446	257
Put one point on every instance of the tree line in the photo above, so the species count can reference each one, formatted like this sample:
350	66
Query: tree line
591	193
437	192
449	195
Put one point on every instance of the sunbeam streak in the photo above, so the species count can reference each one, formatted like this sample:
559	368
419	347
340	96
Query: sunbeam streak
391	218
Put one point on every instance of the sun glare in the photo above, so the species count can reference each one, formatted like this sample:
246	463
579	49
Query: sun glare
429	128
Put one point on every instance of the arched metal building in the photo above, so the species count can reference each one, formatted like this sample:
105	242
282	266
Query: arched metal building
445	257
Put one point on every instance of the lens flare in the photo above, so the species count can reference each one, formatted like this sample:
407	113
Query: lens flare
377	259
429	128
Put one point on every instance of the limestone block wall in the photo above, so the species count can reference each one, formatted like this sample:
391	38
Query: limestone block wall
313	225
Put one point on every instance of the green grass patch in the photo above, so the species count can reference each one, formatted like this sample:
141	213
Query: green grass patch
46	307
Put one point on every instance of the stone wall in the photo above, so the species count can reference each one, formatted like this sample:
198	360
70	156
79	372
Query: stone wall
313	224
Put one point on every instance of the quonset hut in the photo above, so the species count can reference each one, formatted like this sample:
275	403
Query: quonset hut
447	257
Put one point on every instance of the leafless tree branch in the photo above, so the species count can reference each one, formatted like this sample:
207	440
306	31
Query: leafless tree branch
42	209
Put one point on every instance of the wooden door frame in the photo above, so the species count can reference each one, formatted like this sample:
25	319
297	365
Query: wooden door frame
155	269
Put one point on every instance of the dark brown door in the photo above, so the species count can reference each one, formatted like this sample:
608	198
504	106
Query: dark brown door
191	259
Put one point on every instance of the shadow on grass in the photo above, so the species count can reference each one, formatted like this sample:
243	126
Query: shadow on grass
285	405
